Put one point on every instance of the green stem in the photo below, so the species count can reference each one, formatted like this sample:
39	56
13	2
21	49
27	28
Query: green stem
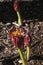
28	52
19	18
22	56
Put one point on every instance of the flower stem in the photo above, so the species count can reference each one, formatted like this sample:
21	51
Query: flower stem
28	52
22	56
19	18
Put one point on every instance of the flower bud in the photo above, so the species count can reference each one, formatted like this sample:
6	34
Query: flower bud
16	6
26	40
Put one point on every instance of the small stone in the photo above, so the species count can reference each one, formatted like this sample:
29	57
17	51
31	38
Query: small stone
32	62
42	52
41	63
20	61
0	63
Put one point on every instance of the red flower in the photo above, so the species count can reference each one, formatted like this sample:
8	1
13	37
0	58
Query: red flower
16	6
14	39
27	40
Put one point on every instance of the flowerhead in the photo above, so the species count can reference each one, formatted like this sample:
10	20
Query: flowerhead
16	38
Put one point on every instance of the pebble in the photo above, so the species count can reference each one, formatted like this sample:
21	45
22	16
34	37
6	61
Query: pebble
20	61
